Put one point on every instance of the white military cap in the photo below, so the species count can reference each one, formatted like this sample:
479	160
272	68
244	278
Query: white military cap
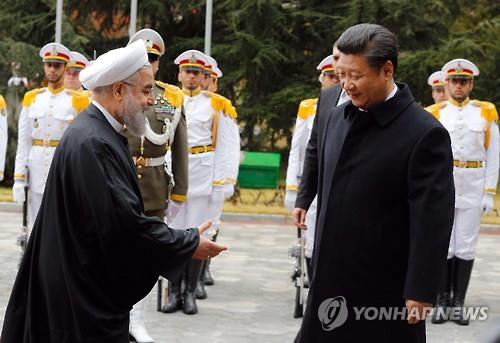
212	67
153	40
210	64
216	72
78	60
55	52
192	60
437	79
326	66
460	68
115	65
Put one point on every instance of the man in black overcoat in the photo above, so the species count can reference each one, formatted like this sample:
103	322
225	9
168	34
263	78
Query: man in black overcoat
75	283
385	203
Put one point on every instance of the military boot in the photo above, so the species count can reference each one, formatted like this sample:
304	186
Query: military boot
463	270
192	277
174	301
200	291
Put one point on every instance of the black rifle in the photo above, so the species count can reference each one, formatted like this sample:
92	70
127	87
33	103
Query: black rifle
298	276
22	239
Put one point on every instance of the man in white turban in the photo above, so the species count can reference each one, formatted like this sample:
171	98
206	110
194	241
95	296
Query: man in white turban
74	283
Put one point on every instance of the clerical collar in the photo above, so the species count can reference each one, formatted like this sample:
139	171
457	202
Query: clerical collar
55	90
112	121
191	92
459	104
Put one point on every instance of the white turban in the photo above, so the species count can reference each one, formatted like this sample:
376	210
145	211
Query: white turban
115	65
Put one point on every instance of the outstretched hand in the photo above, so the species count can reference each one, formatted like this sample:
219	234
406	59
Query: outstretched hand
206	248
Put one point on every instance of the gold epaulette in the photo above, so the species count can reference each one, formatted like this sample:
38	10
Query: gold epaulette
3	104
30	96
307	108
172	93
79	100
229	109
434	109
488	110
219	103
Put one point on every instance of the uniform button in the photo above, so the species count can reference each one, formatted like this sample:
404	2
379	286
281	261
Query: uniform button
139	176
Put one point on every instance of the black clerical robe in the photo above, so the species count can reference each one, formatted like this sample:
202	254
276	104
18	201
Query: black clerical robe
386	207
92	253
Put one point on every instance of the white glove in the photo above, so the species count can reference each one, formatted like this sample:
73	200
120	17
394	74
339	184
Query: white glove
18	192
228	191
173	209
290	197
487	203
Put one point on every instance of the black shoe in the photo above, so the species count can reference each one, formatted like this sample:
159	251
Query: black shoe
442	310
189	303
207	276
200	291
173	304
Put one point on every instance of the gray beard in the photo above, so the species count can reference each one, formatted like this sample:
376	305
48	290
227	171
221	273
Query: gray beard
134	117
136	123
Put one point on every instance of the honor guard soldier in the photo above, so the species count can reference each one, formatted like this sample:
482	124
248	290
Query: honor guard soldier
215	73
473	129
209	139
300	138
3	135
437	81
76	64
45	115
163	191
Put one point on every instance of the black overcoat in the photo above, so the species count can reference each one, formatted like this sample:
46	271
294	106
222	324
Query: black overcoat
386	206
92	253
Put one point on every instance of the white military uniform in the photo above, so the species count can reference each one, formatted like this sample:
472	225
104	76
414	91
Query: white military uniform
210	136
234	156
3	135
45	116
233	142
475	144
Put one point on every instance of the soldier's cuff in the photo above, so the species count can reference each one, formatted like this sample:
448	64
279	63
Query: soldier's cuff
178	197
491	191
292	187
218	183
19	177
230	181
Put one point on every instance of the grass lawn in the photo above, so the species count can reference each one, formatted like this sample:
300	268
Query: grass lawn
269	201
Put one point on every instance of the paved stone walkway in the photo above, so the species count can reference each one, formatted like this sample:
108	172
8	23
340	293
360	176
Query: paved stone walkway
252	299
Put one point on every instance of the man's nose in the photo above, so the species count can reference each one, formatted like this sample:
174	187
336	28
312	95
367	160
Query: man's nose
151	100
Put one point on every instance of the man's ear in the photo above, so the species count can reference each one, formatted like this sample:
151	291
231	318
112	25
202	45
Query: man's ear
117	90
388	70
471	85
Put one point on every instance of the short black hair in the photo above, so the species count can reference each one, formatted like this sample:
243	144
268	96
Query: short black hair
153	57
373	41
